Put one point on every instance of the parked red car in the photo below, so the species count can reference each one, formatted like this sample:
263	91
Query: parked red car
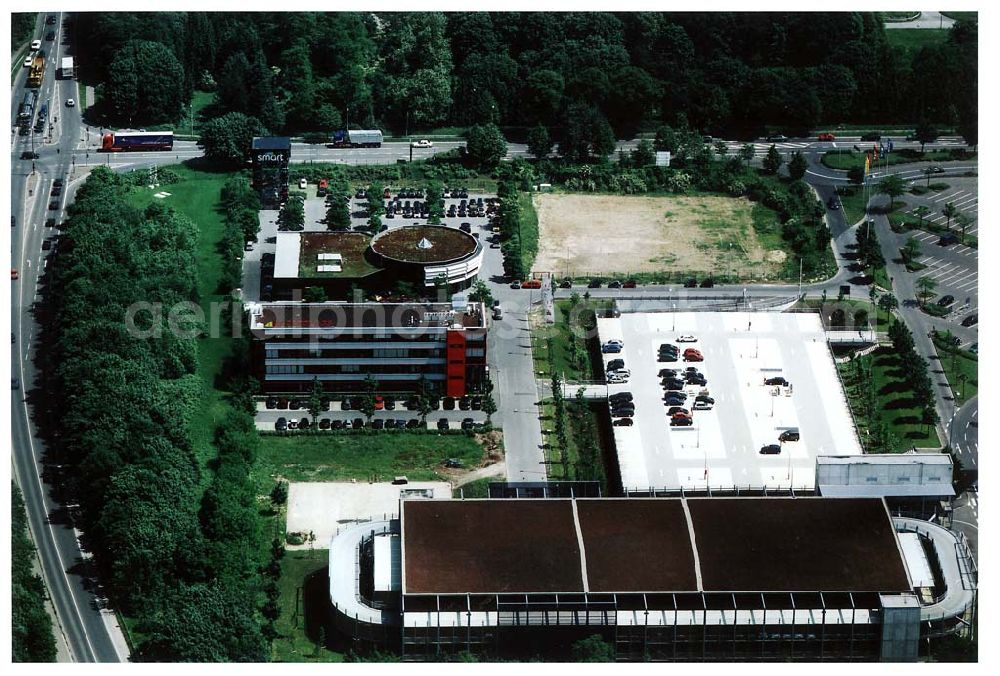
827	136
692	354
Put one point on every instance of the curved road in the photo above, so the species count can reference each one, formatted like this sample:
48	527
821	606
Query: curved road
963	431
89	631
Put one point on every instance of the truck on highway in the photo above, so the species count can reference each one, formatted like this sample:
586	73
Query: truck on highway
67	71
356	138
37	71
134	141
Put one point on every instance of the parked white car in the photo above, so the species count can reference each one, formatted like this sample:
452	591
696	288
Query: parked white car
687	338
303	183
422	143
27	62
36	44
70	103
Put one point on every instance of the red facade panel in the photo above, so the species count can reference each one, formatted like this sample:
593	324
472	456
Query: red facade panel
455	371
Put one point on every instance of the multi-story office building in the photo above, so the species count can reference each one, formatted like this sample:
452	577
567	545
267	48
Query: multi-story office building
398	344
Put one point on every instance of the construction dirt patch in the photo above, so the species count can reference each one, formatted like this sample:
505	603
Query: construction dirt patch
595	235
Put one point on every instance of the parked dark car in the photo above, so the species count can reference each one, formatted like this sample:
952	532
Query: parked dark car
50	222
345	405
677	409
594	284
776	380
468	423
621	396
629	284
622	422
622	412
324	424
696	379
667	373
673	385
477	403
705	398
947	239
378	424
770	449
464	404
667	356
615	364
399	423
358	423
272	402
681	422
390	403
442	424
53	206
789	435
449	403
708	283
691	283
945	301
283	403
413	423
614	284
29	155
971	320
566	284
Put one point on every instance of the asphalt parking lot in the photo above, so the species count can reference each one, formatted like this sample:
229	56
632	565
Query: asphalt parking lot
721	448
954	267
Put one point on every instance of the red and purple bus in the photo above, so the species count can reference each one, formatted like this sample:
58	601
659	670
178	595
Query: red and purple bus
137	141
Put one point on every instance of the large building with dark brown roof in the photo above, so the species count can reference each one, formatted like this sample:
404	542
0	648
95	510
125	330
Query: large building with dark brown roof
713	578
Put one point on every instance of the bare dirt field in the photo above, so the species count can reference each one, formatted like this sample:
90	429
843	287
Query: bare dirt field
582	235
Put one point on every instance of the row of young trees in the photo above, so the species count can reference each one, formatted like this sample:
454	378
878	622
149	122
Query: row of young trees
914	370
31	626
307	71
241	205
121	386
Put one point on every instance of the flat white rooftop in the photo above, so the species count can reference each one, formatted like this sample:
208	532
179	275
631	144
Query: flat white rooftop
721	449
286	255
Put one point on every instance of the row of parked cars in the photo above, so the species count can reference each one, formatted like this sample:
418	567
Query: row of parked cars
382	403
672	353
677	382
622	409
284	425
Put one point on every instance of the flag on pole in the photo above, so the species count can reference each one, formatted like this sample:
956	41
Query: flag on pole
868	163
875	150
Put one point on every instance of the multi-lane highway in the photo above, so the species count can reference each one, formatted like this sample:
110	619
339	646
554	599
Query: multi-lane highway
89	631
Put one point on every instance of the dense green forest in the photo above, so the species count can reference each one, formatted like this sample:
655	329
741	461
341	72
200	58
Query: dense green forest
31	626
177	552
714	72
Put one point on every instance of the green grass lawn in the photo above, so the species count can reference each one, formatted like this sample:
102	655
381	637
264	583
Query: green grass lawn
528	231
912	41
302	609
845	159
197	197
894	402
956	363
363	456
573	363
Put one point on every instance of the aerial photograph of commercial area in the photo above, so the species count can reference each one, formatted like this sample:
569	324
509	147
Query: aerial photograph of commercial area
461	335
